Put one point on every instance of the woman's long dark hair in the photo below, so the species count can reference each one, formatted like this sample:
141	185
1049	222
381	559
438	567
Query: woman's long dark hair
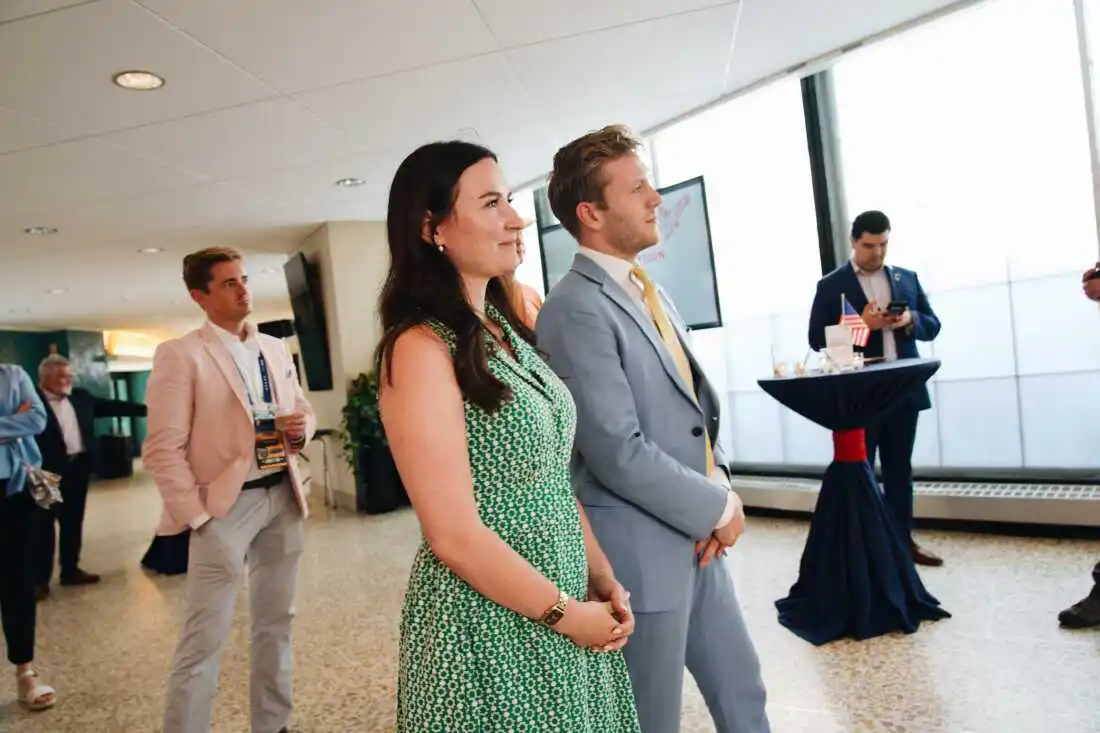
423	285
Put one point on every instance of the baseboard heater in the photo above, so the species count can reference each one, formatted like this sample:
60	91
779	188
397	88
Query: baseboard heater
1071	505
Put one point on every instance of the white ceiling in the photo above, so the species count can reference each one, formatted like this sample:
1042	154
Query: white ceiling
269	102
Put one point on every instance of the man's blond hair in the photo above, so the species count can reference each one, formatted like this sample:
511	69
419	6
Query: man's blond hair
578	171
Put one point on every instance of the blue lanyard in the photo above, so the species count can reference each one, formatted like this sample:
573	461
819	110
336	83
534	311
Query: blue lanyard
265	380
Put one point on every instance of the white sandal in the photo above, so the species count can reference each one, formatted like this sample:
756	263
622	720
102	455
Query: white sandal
40	697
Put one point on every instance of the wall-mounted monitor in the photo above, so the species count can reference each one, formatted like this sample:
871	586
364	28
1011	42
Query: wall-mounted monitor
682	263
303	282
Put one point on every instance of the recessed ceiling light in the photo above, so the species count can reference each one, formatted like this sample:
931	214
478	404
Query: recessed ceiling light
150	250
57	291
40	231
350	182
139	81
268	271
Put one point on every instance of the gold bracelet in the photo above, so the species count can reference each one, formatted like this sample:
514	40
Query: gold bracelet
554	614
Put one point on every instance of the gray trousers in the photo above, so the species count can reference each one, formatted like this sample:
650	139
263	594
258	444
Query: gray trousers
263	532
707	635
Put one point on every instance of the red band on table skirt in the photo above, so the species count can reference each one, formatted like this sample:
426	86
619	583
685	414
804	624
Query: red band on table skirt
849	446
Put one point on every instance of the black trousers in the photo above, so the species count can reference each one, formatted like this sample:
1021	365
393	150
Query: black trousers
18	517
69	514
894	437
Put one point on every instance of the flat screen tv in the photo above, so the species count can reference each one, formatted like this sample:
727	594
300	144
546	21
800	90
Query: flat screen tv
682	262
303	282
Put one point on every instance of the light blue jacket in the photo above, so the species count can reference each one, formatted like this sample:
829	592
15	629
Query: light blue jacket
17	429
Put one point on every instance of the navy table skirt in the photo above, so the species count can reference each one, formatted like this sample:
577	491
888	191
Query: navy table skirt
856	578
168	554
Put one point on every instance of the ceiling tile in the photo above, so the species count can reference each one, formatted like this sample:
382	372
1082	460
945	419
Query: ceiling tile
73	173
236	141
311	188
18	131
68	58
521	22
769	43
298	45
16	9
425	100
598	70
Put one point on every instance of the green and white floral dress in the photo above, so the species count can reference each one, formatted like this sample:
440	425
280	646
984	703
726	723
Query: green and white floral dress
469	665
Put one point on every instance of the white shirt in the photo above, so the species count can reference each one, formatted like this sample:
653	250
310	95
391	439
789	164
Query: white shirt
620	271
246	355
63	409
876	286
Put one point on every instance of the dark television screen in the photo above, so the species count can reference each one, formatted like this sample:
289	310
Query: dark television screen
303	283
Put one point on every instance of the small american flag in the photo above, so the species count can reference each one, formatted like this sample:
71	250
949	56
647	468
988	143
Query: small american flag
858	327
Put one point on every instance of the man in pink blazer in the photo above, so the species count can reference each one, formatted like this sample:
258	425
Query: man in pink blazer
226	420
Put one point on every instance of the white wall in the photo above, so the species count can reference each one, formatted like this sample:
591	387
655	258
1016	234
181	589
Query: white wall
352	258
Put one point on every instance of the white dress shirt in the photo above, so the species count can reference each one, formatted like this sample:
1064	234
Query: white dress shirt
876	286
620	271
63	409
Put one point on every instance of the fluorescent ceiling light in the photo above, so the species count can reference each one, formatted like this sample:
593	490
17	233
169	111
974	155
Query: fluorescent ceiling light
40	231
350	182
150	250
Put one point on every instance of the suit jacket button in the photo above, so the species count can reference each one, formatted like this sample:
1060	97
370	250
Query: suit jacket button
697	432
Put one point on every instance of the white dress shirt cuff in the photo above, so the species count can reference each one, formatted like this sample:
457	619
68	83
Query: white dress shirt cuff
719	477
199	521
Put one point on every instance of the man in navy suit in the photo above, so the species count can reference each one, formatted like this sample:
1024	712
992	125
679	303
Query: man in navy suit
870	286
1086	612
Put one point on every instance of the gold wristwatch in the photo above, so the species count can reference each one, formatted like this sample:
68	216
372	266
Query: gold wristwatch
555	612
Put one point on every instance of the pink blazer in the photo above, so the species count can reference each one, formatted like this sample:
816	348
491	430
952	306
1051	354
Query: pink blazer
201	441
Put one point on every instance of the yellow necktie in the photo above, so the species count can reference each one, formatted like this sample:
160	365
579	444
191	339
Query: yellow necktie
672	343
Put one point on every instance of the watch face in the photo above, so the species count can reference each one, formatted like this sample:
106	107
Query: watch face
553	616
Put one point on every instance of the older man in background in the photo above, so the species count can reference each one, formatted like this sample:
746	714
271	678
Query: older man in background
69	449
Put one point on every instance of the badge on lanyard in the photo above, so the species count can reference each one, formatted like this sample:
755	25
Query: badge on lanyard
271	452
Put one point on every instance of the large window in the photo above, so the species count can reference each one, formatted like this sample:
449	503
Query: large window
753	156
530	270
971	135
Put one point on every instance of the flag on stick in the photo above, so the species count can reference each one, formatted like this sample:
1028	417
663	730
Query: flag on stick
848	317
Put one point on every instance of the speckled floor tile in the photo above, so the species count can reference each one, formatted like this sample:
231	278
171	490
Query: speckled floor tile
1001	665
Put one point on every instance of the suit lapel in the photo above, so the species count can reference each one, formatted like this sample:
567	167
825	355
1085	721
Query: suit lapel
633	308
224	360
897	290
853	290
52	423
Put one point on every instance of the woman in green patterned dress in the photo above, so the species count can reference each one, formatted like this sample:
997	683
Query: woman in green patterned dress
513	620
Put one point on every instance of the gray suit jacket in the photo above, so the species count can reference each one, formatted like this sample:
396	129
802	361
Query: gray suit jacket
639	459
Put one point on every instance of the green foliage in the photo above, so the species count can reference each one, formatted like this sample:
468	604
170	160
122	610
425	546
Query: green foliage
361	424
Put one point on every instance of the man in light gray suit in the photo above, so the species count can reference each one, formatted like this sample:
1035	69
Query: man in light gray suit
647	468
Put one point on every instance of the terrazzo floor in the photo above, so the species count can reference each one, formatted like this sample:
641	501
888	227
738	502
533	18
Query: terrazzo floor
1001	665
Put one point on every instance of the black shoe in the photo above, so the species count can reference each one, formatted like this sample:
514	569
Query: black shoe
1081	615
41	592
79	578
922	556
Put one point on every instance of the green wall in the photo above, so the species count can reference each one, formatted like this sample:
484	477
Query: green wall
26	348
88	356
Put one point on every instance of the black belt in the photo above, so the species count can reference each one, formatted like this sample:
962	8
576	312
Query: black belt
265	482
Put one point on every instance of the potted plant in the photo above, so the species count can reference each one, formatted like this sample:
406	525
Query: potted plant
378	487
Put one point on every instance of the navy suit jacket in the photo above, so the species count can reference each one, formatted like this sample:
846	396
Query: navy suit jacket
904	285
88	407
